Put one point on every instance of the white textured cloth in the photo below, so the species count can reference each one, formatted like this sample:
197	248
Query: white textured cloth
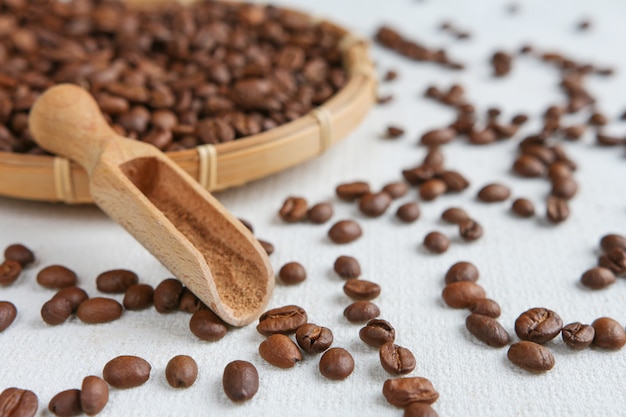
523	263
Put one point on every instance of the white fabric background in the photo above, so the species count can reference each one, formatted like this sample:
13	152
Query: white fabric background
523	263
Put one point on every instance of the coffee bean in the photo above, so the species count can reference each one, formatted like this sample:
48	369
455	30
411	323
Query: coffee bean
611	241
347	267
574	132
138	297
167	295
434	159
454	215
486	307
126	371
531	356
56	276
8	312
436	242
487	329
418	175
283	320
294	209
455	182
557	209
66	403
419	410
578	335
181	371
361	311
470	230
433	188
206	325
396	189
390	75
352	191
564	188
394	132
396	360
320	213
482	137
519	119
408	212
292	273
523	207
116	281
494	193
240	381
614	260
438	137
359	289
74	295
377	332
16	402
94	395
538	325
56	311
529	166
462	294
374	204
19	253
610	333
313	338
345	231
598	278
267	246
559	169
9	272
403	391
99	310
598	119
188	302
462	271
336	364
279	350
540	152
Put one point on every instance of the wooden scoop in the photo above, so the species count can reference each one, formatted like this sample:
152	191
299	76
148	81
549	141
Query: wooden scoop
166	210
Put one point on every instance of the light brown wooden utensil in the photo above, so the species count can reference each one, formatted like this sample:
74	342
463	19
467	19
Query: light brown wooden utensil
177	220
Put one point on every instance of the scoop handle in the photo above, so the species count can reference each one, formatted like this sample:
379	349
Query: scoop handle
67	121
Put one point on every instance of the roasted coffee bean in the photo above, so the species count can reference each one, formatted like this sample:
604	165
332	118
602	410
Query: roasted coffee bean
408	212
390	75
557	209
320	213
598	278
292	273
279	350
167	295
540	152
462	294
598	119
377	332
486	307
116	281
564	188
189	303
361	311
345	231
336	364
8	312
403	391
438	137
206	325
56	311
396	359
294	209
283	320
482	137
578	335
374	204
436	242
347	267
433	188
609	334
611	241
394	132
614	260
419	174
531	356
396	189
574	132
74	295
138	297
454	215
19	253
56	276
99	310
487	329
66	403
126	371
247	224
538	325
494	193
419	410
434	159
462	271
94	395
519	119
559	169
9	272
455	182
352	191
523	207
313	338
529	166
359	289
16	402
267	246
603	139
181	371
470	230
240	381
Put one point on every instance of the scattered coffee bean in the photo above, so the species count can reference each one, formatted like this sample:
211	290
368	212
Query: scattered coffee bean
279	350
56	311
611	241
66	403
614	260
531	356
462	294
361	311
462	271
494	193
598	119
390	75
418	175
436	242
352	191
501	62
359	289
56	276
345	231
454	215
433	188
94	395
419	410
74	295
8	312
294	209
564	188
347	267
519	119
438	137
19	253
16	402
408	212
336	364
578	335
206	325
559	169
138	297
240	381
283	320
99	310
394	132
247	224
396	360
455	182
470	230
267	246
374	204
126	371
396	189
574	132
313	338
181	371
189	303
292	273
609	334
403	391
538	325
523	207
482	137
166	295
9	272
557	209
598	278
116	281
320	213
377	332
487	329
435	160
486	307
529	166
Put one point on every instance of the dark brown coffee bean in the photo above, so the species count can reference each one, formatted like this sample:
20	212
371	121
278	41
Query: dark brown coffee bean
320	213
487	329
482	137
374	204
454	215
189	303
611	241
377	332
494	193
462	294
8	312
538	325
56	311
455	182
433	188
394	132
603	139
267	246
396	189
206	325
396	359
99	310
347	267
557	209
574	132
564	188
16	402
292	273
116	281
523	207
531	356
598	119
20	253
419	174
283	320
403	391
529	166
126	371
167	295
56	276
598	278
578	335
559	169
240	381
66	403
279	350
336	364
434	159
9	272
313	338
352	191
294	209
361	311
94	395
359	289
614	260
138	297
436	242
391	75
181	371
438	137
470	230
486	307
408	212
74	295
610	333
419	410
345	231
462	271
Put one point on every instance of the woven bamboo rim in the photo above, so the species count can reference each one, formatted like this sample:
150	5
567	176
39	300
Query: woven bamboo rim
225	165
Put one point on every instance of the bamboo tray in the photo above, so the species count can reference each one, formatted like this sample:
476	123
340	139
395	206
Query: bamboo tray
217	167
